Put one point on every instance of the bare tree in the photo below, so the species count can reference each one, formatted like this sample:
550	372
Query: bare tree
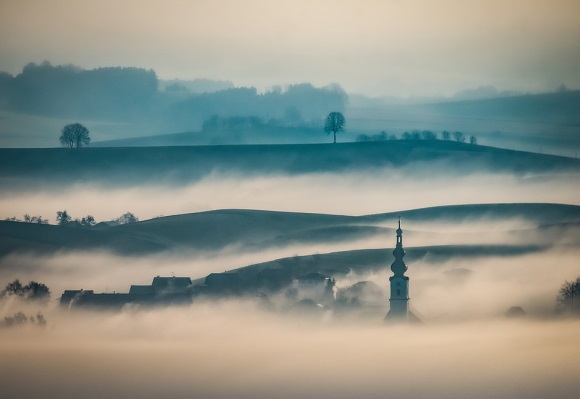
74	135
446	135
334	123
473	140
459	137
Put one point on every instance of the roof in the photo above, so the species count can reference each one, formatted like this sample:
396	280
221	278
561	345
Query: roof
171	281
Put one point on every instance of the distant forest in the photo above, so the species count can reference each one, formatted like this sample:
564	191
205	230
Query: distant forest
131	94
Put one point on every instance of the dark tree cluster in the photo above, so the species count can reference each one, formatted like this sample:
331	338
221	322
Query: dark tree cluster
382	136
426	135
297	105
28	219
69	91
569	296
127	218
135	95
20	319
63	218
33	290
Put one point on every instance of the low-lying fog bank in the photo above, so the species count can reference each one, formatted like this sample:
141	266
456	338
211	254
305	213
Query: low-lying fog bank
345	193
237	348
232	350
442	288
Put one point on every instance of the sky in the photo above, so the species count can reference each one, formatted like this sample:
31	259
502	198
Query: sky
377	48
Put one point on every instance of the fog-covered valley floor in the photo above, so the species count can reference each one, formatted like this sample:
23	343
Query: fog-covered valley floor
480	238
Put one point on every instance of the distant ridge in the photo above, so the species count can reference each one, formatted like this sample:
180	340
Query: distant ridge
189	163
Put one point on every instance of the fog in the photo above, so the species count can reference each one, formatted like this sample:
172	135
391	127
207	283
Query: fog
234	350
465	346
222	348
348	193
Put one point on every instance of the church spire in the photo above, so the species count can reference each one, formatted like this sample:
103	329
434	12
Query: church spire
399	267
399	299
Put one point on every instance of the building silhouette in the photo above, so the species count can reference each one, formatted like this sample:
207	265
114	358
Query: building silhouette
399	299
162	291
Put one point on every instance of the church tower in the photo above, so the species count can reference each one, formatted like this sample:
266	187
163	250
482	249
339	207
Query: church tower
399	300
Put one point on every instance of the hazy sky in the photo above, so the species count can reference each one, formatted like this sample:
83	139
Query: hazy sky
383	47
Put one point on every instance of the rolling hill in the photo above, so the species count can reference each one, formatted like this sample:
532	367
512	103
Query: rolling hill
251	230
178	165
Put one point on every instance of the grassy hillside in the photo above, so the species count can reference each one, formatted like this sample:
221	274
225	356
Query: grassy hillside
129	166
258	230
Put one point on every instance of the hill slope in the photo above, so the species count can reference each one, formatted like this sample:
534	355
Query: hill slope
251	230
129	166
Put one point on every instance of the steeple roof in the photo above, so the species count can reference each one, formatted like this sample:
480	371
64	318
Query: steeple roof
399	267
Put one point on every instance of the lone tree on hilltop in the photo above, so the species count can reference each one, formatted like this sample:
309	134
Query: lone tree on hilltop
74	135
334	123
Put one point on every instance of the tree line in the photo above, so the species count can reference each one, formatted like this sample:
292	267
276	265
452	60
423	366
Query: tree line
457	136
64	218
133	94
69	91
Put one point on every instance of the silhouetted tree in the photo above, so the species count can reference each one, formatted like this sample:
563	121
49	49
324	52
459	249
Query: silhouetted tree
74	135
35	219
428	135
33	290
127	218
382	136
446	135
459	137
88	220
28	219
62	217
19	318
13	288
473	140
406	136
334	123
569	295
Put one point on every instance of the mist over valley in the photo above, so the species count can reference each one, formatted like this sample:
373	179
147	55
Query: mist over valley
290	199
